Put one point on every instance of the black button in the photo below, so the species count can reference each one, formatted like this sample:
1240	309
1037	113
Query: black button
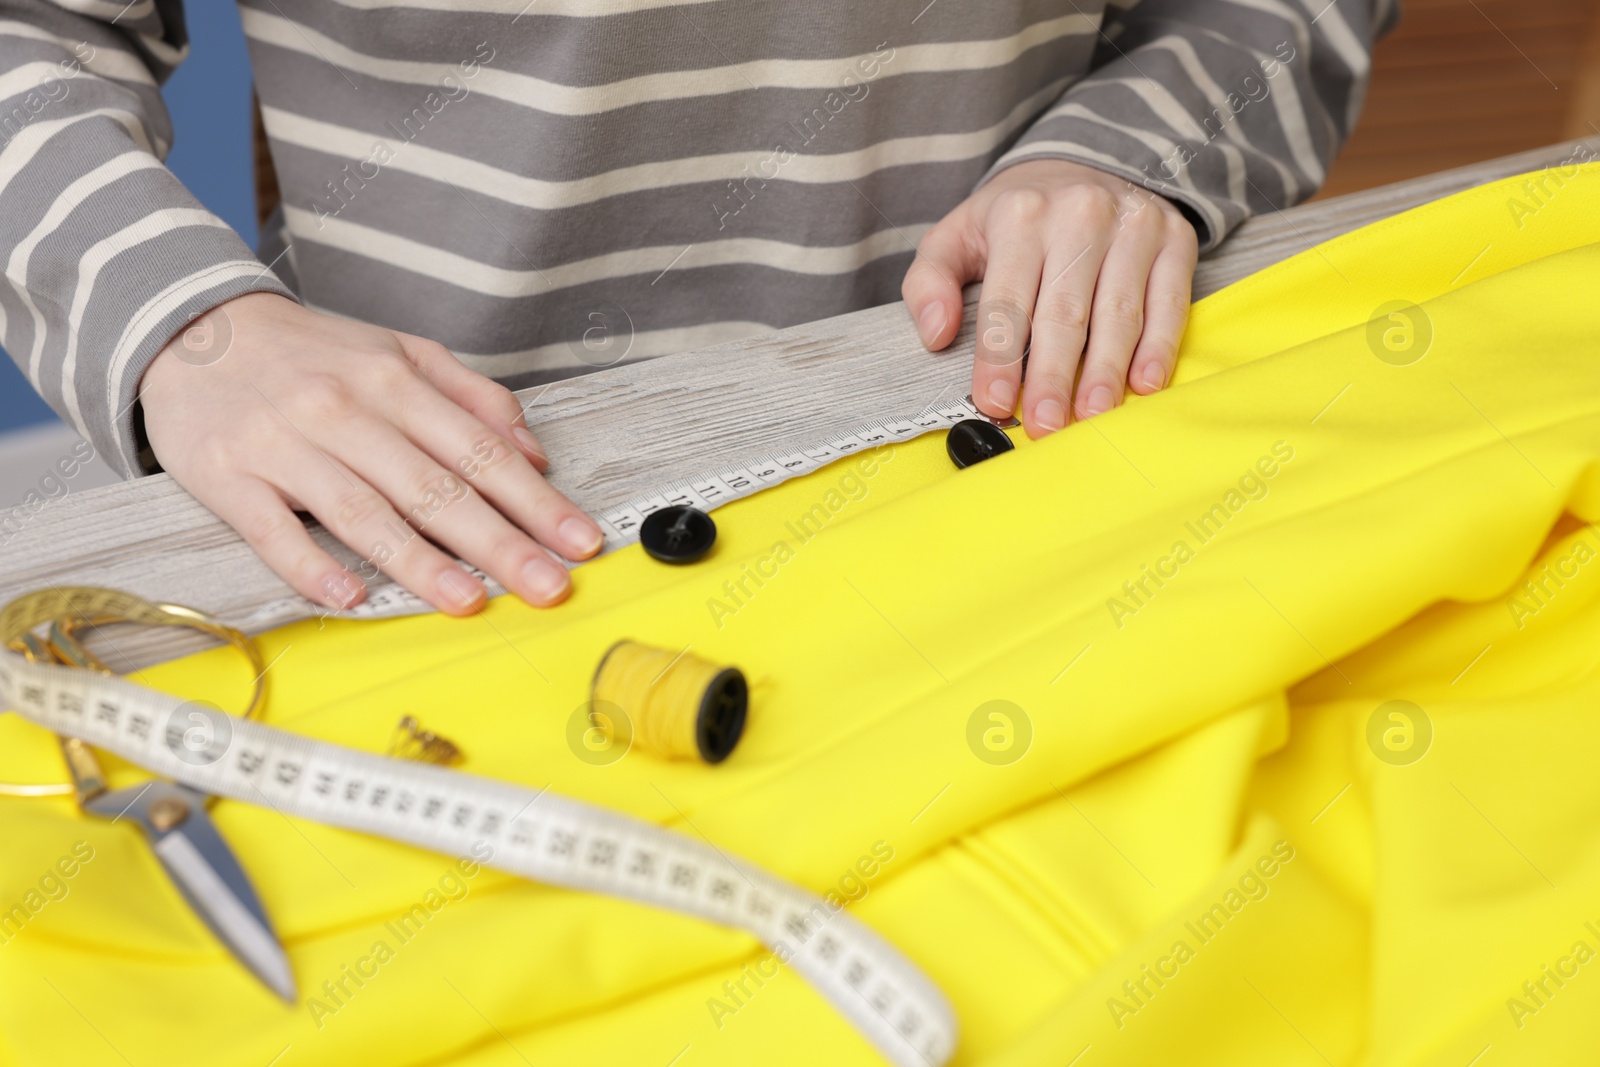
975	440
677	534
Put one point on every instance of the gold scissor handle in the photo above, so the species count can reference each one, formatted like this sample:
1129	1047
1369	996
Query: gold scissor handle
87	779
152	614
88	607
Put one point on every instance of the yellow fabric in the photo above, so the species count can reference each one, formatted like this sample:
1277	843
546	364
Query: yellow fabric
1206	750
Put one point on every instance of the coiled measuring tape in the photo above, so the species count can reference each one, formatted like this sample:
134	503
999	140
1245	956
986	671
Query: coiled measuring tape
534	834
620	525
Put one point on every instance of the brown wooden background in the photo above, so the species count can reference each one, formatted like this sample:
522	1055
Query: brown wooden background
1459	81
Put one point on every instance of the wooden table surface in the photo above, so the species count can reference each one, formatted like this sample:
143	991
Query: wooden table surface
617	433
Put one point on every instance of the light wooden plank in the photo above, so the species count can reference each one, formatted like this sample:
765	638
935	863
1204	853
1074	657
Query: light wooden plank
620	432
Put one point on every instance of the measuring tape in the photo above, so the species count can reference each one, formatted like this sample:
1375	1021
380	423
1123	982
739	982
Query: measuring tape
620	525
534	834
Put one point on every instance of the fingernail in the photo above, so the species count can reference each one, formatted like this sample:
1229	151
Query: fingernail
579	538
1100	399
1155	376
459	589
1050	415
528	443
543	581
1003	394
931	322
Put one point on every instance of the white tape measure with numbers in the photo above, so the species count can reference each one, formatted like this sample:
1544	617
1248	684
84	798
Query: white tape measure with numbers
620	525
534	834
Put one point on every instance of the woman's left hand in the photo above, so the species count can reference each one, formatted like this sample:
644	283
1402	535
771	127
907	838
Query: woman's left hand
1085	264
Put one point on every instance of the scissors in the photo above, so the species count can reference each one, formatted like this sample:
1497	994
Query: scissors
175	818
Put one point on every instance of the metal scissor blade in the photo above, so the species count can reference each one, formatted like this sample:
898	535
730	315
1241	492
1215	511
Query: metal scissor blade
205	870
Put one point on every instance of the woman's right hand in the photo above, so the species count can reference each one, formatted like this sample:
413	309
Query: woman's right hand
261	408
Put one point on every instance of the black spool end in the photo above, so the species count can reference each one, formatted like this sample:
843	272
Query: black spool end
720	723
972	441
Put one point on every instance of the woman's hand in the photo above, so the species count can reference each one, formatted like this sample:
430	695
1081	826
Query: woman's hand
261	408
1087	265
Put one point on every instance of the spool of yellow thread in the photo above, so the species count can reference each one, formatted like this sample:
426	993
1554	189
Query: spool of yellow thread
678	705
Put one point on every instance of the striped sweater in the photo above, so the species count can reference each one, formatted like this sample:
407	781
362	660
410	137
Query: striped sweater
550	186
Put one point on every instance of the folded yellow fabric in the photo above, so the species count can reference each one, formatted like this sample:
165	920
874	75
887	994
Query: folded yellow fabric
1301	655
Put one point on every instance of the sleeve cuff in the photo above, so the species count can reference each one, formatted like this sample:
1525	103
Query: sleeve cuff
1122	153
163	317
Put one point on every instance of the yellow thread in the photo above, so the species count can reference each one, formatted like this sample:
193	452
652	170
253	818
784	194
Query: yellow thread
676	704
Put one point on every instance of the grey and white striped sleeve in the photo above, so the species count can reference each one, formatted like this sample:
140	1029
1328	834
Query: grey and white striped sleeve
106	254
1229	108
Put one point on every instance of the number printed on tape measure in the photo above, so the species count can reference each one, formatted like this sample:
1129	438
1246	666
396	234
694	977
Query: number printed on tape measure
536	835
620	525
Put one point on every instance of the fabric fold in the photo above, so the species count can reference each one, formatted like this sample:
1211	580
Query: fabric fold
1203	612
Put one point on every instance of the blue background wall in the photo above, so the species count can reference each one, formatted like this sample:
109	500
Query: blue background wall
209	98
